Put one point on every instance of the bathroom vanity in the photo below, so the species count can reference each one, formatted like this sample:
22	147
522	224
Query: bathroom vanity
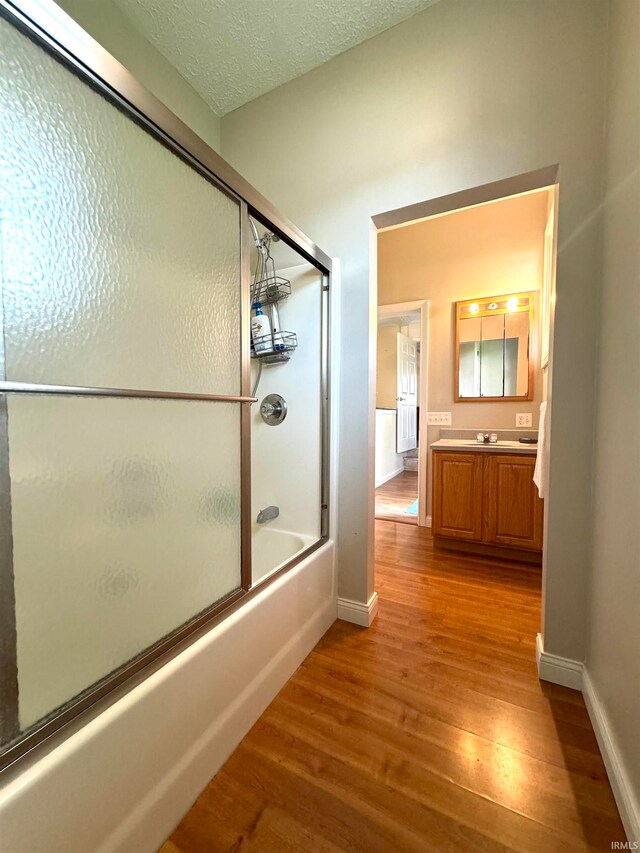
485	500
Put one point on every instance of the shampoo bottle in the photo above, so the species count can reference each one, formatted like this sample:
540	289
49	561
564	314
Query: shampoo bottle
261	331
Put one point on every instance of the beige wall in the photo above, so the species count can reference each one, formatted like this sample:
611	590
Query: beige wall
461	94
483	251
387	367
104	21
613	652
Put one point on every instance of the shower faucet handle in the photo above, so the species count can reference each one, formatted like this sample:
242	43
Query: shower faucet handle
273	409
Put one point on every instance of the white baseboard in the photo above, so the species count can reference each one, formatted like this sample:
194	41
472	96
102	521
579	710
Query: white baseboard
356	612
572	673
623	792
556	669
389	477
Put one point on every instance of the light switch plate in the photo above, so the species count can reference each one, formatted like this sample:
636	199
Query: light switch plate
524	420
439	418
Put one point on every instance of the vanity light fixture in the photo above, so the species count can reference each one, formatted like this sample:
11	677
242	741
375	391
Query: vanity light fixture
512	303
492	306
474	308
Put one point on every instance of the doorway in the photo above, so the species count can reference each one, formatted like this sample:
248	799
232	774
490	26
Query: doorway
401	394
410	276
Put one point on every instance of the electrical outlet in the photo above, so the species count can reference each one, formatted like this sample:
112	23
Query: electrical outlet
439	418
524	420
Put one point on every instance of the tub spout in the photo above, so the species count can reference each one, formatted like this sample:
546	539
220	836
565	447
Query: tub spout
267	514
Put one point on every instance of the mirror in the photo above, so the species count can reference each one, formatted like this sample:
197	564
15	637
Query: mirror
493	336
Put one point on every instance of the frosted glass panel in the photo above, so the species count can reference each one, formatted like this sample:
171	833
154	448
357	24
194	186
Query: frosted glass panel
120	263
126	524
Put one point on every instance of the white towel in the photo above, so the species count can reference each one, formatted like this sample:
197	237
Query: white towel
540	474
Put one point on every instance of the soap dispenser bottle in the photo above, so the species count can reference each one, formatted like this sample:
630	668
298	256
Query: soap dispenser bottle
261	331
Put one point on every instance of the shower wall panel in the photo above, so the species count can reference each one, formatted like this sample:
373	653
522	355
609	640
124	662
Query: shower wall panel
286	459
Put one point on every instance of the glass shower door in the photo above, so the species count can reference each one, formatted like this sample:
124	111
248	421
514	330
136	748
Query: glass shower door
122	315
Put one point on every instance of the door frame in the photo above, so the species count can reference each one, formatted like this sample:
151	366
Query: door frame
544	178
421	305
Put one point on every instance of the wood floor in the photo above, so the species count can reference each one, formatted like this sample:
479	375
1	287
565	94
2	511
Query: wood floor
394	496
427	732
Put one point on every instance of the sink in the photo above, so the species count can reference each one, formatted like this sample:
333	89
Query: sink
472	444
495	444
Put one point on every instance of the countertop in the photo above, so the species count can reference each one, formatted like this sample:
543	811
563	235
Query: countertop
500	447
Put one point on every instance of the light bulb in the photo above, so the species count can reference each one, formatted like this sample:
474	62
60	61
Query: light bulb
512	303
474	308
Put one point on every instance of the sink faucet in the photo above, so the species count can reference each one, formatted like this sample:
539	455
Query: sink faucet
486	438
267	514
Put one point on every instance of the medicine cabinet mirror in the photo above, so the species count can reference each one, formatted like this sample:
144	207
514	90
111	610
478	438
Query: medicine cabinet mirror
493	348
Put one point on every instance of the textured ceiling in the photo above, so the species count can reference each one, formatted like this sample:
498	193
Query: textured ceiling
232	51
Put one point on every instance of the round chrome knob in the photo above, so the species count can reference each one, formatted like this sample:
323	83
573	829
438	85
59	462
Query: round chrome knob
273	409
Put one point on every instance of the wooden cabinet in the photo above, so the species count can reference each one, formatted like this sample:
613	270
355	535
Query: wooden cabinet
457	495
513	512
487	502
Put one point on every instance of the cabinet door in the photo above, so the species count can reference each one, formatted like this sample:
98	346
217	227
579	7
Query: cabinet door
514	512
457	495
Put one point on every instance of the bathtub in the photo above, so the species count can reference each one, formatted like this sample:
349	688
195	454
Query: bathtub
272	548
181	722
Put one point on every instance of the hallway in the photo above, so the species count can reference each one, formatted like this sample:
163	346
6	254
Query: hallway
428	731
395	497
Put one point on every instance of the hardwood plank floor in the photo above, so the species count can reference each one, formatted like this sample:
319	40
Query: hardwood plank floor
428	731
396	495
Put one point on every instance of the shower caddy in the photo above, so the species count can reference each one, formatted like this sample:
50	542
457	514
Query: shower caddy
267	291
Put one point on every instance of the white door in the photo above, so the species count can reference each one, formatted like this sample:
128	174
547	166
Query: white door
407	398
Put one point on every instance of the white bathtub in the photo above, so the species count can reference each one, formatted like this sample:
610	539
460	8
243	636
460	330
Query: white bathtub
272	548
206	698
